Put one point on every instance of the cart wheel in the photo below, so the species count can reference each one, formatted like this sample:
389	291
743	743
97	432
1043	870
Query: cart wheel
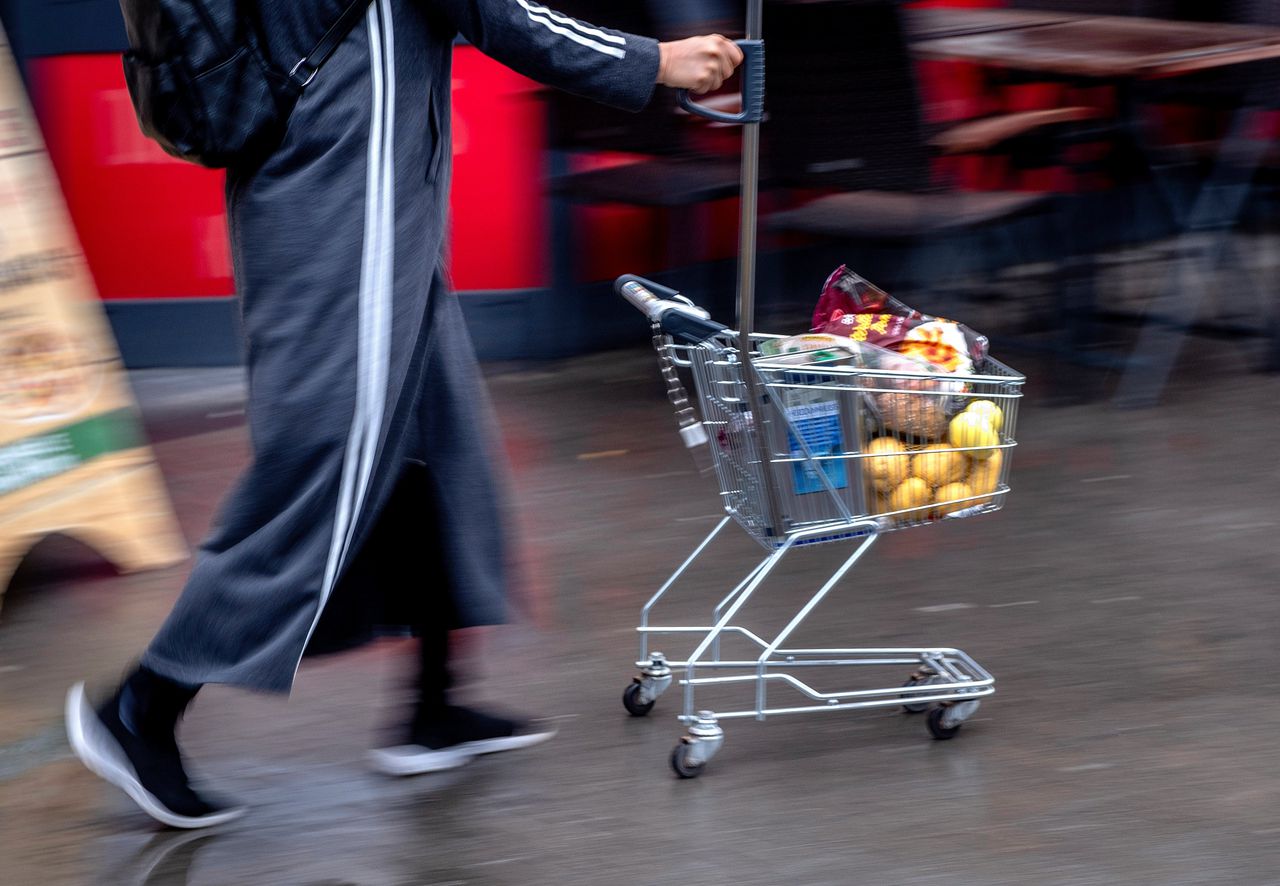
680	762
918	707
936	729
631	701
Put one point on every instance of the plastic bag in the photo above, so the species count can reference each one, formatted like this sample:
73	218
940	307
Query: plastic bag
851	307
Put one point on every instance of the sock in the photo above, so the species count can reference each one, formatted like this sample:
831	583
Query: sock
150	704
434	679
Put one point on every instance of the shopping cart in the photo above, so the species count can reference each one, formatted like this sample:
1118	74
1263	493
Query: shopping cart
810	453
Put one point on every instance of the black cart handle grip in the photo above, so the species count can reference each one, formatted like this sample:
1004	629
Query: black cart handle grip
752	73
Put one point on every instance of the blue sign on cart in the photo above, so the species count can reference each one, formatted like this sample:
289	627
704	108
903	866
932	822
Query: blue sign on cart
819	426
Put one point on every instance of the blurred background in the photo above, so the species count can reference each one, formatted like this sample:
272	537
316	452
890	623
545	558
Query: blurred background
1093	185
1119	179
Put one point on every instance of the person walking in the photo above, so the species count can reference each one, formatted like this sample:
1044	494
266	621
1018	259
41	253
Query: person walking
371	499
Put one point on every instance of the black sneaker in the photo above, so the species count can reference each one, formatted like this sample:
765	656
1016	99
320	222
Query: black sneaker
456	737
149	770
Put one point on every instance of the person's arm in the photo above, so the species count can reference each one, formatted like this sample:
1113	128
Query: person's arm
608	66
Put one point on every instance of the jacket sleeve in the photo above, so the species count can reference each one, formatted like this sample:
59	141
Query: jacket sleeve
604	65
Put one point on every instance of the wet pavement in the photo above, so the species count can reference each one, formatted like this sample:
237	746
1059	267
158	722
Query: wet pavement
1124	599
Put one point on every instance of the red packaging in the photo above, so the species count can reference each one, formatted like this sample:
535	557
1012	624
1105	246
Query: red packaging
854	308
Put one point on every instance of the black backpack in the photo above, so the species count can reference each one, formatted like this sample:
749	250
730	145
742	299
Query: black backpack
203	82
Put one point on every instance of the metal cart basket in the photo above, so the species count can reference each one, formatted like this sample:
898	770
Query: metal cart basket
809	453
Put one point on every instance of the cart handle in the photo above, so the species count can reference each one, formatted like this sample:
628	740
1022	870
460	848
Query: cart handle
752	89
676	315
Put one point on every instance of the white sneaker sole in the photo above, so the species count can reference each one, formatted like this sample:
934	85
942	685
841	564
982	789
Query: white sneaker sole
412	759
509	743
101	754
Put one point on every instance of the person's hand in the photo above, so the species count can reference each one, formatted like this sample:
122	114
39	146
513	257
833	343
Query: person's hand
698	64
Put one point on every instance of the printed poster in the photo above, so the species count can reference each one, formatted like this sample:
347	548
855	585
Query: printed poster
72	456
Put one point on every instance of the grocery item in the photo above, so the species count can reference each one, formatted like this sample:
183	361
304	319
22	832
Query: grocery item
814	427
939	465
951	498
985	476
988	410
912	413
853	308
911	496
813	347
888	465
939	342
971	429
809	348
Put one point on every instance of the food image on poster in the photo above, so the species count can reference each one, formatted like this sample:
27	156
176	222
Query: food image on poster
44	374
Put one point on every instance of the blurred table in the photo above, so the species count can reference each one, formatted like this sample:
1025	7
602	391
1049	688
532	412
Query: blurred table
943	22
1124	51
1095	47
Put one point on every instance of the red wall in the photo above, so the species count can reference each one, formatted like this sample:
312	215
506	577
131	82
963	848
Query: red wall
154	227
151	226
500	218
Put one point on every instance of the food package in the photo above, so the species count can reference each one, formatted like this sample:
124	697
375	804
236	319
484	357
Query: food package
810	349
853	308
821	348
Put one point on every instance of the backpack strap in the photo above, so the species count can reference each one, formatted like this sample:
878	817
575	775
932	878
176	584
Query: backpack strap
305	70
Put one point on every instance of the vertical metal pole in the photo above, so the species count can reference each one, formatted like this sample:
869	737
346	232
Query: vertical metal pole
747	281
747	234
750	195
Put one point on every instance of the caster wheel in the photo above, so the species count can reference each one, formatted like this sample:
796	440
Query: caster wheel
680	762
913	707
631	701
936	729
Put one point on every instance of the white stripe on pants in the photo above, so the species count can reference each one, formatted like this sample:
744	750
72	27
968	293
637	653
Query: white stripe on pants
377	280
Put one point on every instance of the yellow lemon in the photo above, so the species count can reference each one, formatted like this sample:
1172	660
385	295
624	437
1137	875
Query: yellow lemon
912	495
888	465
986	476
988	410
939	465
951	499
969	429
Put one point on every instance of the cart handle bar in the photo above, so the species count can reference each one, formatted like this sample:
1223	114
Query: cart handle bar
676	315
752	90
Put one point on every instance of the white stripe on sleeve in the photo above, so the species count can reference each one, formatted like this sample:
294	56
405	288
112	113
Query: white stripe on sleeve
538	18
573	23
